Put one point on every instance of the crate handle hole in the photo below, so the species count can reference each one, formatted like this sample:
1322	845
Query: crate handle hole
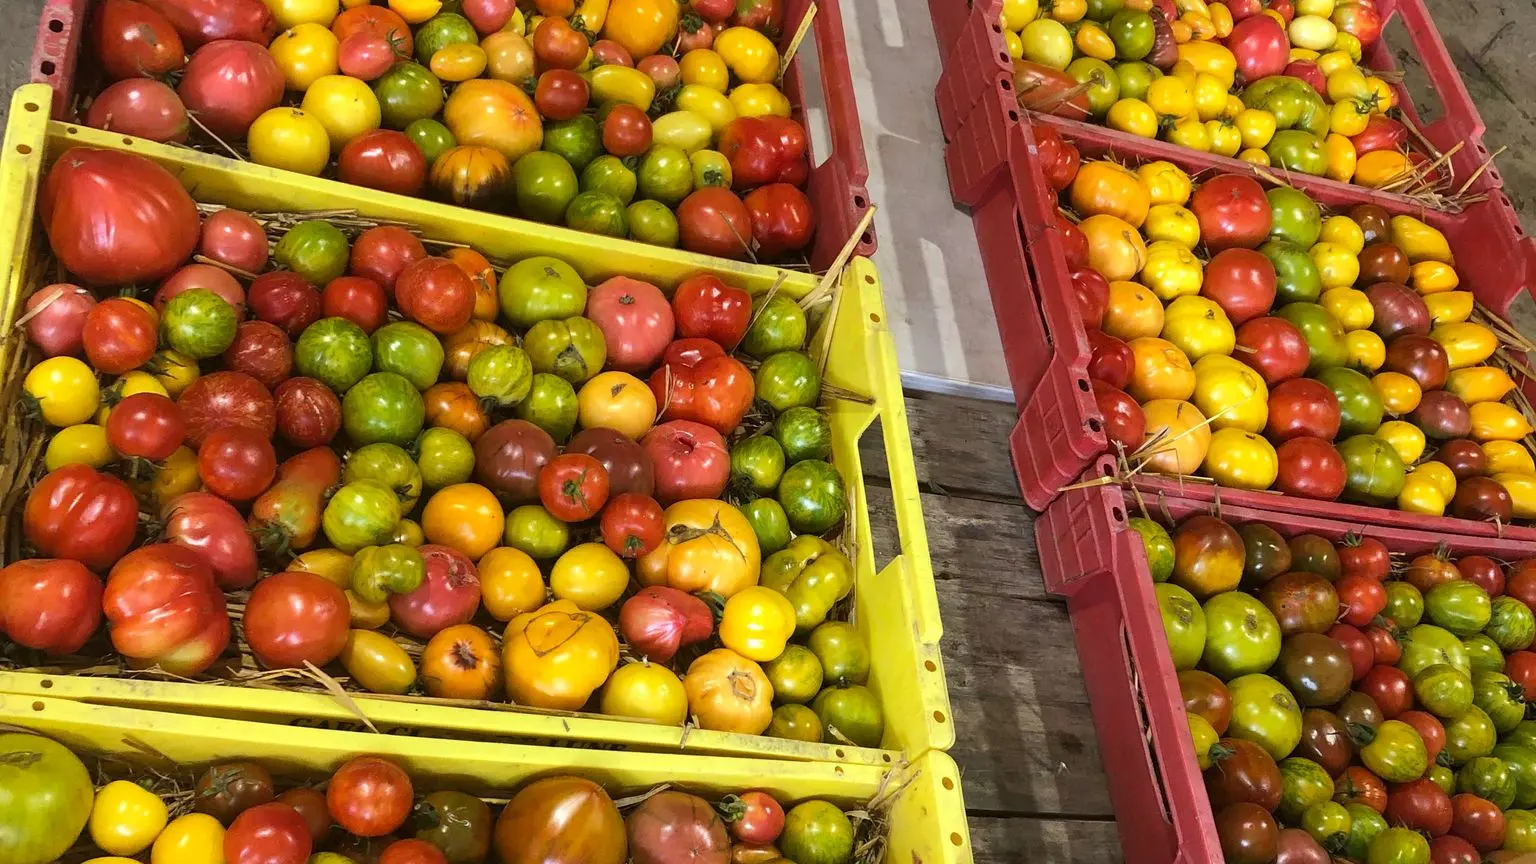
1117	513
30	106
930	666
1094	424
840	753
47	683
1013	115
867	238
875	318
1109	470
1003	56
885	757
72	130
47	67
1007	85
868	279
948	783
859	202
1082	384
38	706
938	716
24	149
996	27
56	25
127	140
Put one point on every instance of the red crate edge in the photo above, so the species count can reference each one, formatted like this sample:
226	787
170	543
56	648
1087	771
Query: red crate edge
60	30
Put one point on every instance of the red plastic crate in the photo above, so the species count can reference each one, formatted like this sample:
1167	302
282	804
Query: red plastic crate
1090	556
977	68
837	184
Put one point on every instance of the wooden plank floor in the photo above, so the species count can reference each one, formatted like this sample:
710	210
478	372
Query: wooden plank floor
1033	783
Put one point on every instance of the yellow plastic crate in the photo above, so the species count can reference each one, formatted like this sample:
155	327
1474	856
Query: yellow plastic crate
926	817
896	608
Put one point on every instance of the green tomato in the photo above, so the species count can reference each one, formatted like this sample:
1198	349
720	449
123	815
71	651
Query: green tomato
1405	606
1489	778
1442	690
804	433
1132	32
1102	86
1519	831
788	379
199	324
46	793
383	407
1469	736
813	497
758	463
1426	645
545	185
1397	753
1242	635
388	464
442	30
532	529
335	351
1511	625
795	723
538	288
502	374
409	350
769	523
1103	10
445	457
379	571
1364	825
361	514
1183	624
407	92
778	325
1266	713
844	656
1373	471
573	349
1500	698
816	832
314	249
1135	77
665	174
1360	408
1296	278
1047	42
551	405
850	712
1298	150
1328	822
652	222
1322	333
597	213
1521	760
1459	606
1294	218
431	138
1158	546
1483	653
796	675
576	140
1398	846
609	174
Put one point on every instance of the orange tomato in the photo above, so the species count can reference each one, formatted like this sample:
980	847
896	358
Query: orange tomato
452	405
641	26
1115	247
1341	162
1399	393
1108	187
1379	167
618	401
496	114
1182	434
510	583
461	662
466	517
1480	384
1133	311
1432	277
484	276
461	346
1160	371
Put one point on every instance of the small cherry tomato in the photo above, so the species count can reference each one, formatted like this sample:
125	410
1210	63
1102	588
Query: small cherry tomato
573	487
632	524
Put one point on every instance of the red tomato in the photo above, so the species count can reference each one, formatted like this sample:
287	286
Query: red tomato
369	796
272	833
234	238
212	527
1478	821
308	412
607	52
557	45
236	463
381	253
1242	282
1390	687
377	21
56	318
262	351
79	513
1521	583
292	618
690	460
228	84
705	307
162	607
663	71
1421	805
383	159
632	524
203	21
1362	599
142	107
435	293
763	150
1386	646
1091	291
1429	728
561	94
1125	425
1307	71
52	604
1484	571
699	381
573	487
713	221
205	276
285	298
1074	243
626	131
412	852
713	11
448	595
636	321
310	803
1274	348
1362	656
1232	209
357	299
1302	407
146	426
1359	786
132	40
1112	360
1364	556
365	56
1381	133
782	220
754	817
1059	158
1260	46
1520	666
119	336
1450	849
1310	468
488	16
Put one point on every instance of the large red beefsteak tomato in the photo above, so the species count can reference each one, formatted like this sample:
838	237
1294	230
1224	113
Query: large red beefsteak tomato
163	608
82	514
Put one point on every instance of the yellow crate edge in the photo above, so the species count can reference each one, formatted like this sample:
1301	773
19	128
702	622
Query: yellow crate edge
927	820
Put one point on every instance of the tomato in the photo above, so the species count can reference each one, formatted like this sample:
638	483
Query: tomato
561	94
1232	211
227	790
461	662
126	818
1241	282
1242	635
236	463
50	605
437	293
1184	624
118	335
296	618
699	382
382	253
272	832
383	159
78	513
229	83
369	796
142	107
146	426
192	837
1303	407
1459	606
133	40
816	831
456	823
1241	772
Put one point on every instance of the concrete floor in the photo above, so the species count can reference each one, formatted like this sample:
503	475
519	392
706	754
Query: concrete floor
938	303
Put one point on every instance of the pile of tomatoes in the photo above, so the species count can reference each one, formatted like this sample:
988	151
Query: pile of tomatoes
1248	336
669	129
369	811
1373	705
1272	83
486	467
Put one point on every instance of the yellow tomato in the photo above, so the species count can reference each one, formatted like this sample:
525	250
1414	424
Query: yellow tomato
643	26
1115	248
614	83
175	476
1301	54
1170	97
684	130
345	106
175	371
557	656
1348	117
1350	305
1450	307
464	516
619	401
1014	44
1420	241
510	583
1182	435
1405	438
749	54
710	104
304	54
1224	136
1198	327
1346	83
1522	493
1242	460
408	533
1466	343
1171	223
333	565
1164	182
1508	457
458	62
1380	167
729	693
1312	31
1442	476
708	546
1171	270
757	623
1343	231
1254	156
710	168
758	100
290	139
1108	187
1181	30
1349	44
1421	494
1337	267
1018	13
589	575
126	818
81	444
1047	42
1209	96
1364	350
508	56
195	838
292	13
1257	127
1068	11
1133	116
377	663
1133	311
1091	41
1212	58
1201	27
1339	156
365	614
1221	19
1160	370
1231	394
1233	108
1399	393
64	390
706	68
1495	421
645	691
1333	62
128	384
1201	732
1432	277
415	11
1382	96
1480	384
